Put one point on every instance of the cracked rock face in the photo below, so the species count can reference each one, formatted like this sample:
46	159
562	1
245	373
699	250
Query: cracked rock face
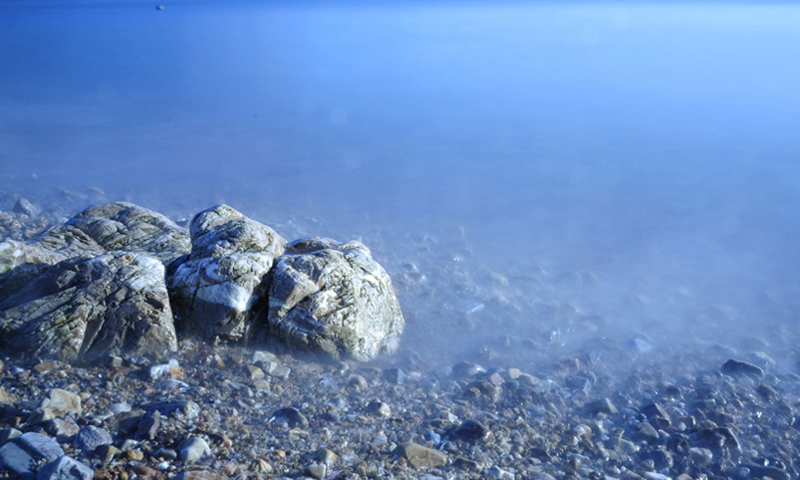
216	290
89	306
124	226
334	300
110	227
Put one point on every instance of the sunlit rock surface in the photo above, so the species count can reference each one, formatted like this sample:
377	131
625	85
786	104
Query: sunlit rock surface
111	227
217	288
125	226
87	306
334	300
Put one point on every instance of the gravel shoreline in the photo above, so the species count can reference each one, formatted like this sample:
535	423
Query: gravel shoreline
503	406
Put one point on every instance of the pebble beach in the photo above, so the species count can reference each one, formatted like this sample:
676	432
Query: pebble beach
561	399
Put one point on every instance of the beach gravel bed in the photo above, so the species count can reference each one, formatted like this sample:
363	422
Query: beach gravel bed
205	417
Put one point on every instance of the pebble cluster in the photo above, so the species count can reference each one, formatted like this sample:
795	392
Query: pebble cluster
233	412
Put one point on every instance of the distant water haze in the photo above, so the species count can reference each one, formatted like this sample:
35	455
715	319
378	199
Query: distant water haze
631	161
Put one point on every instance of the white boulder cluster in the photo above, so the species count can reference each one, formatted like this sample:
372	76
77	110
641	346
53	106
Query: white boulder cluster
121	278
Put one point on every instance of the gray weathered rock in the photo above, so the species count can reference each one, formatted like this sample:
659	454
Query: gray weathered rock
65	468
21	455
86	307
334	300
89	438
215	288
14	458
111	227
24	207
40	445
121	226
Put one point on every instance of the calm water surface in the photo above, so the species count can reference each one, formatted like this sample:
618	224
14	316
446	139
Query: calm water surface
651	147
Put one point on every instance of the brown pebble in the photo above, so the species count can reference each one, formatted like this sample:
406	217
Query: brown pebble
253	372
45	367
136	455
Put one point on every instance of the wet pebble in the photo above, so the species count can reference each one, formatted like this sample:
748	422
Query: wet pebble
290	416
193	450
472	431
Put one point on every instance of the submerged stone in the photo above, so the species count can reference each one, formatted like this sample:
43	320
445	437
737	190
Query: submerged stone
333	300
86	307
215	289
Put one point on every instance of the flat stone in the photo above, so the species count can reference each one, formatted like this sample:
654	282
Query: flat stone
419	456
16	459
8	434
148	426
326	456
89	438
62	427
65	468
40	445
187	408
25	207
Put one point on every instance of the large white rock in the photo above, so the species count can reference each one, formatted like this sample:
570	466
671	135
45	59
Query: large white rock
334	300
216	289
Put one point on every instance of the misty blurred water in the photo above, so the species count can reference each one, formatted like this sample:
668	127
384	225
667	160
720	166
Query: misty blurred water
647	143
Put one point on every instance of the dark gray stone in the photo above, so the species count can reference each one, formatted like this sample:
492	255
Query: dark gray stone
472	431
90	438
760	471
736	368
291	416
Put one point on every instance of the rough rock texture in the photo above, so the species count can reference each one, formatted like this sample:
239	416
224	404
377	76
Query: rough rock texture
334	300
86	307
111	227
21	262
216	288
124	226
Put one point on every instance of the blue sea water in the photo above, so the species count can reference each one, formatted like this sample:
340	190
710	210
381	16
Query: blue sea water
654	144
